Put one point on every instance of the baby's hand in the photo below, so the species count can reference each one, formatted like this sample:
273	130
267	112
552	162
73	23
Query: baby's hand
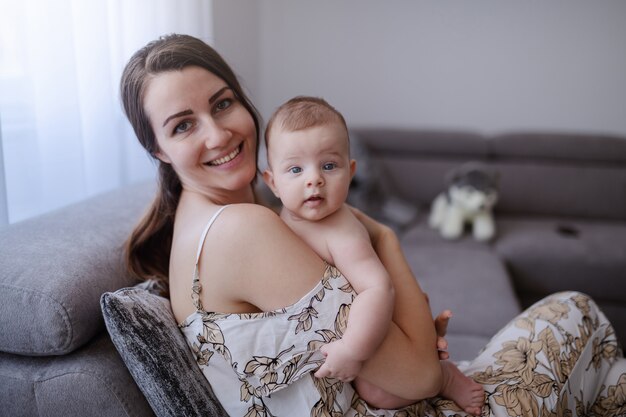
339	363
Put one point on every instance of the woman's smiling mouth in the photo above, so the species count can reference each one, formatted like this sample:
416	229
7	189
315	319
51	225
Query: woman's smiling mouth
227	158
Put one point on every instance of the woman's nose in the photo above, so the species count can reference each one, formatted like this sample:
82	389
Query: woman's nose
216	134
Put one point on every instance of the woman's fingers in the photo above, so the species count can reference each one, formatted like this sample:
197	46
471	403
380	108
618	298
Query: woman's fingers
441	322
441	326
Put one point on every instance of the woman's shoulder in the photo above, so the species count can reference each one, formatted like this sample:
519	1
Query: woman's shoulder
254	230
248	250
249	217
251	209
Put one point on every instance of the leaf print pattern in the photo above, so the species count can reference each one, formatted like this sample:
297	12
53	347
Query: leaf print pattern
308	314
533	374
266	368
614	403
329	389
305	318
341	322
544	363
256	411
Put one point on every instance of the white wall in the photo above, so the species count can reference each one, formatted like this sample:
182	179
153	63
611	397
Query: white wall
236	32
487	65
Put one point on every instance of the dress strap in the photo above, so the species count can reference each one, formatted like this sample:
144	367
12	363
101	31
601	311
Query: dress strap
196	287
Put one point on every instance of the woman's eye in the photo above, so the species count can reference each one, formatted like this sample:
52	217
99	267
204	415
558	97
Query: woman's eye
329	166
295	170
224	104
183	127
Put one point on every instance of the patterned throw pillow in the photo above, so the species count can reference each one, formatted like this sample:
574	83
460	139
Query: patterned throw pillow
144	331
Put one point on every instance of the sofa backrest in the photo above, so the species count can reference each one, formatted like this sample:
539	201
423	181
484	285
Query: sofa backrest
551	174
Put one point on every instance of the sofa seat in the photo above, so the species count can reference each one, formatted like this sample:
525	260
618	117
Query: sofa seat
554	254
56	358
92	381
540	256
589	255
467	278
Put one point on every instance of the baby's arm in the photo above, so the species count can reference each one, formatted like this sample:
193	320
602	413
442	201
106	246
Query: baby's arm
371	311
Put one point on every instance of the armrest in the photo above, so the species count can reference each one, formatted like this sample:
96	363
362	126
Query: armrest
53	269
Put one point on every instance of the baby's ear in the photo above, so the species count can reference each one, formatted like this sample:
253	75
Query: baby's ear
268	177
352	168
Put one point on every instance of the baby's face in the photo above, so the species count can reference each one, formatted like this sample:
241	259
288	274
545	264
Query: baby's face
310	170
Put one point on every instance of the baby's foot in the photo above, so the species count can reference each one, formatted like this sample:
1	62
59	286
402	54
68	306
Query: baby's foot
468	394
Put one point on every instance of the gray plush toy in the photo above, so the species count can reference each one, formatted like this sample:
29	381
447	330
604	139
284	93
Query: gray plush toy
472	191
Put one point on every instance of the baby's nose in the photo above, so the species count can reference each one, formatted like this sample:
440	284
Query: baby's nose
315	180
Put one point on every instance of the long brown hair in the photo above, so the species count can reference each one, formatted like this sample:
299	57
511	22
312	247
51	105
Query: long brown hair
149	245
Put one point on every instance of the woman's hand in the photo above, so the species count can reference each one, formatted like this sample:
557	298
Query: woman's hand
441	326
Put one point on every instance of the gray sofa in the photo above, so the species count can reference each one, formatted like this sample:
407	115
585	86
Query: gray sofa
561	224
560	221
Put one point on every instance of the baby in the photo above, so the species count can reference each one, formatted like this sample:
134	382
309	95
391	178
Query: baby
309	169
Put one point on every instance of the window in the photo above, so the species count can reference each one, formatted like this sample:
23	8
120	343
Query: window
63	134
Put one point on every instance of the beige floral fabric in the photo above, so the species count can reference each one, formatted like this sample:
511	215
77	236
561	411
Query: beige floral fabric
559	358
552	360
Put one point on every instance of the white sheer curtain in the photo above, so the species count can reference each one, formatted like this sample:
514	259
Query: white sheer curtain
64	137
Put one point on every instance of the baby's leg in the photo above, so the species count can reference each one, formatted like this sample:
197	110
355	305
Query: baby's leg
378	397
464	391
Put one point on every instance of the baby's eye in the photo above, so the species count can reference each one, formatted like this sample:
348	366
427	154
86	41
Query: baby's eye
183	127
295	170
329	166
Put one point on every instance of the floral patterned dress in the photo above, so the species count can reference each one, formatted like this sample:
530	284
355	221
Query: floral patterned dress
558	358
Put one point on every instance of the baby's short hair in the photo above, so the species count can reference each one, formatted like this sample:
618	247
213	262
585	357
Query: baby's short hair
303	112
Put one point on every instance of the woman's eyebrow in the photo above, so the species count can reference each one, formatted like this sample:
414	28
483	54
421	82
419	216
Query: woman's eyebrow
219	93
179	114
189	111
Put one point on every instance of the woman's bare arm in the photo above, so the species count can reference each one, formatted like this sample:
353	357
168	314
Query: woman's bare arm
407	363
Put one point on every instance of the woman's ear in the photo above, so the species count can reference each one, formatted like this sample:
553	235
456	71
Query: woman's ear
268	177
162	157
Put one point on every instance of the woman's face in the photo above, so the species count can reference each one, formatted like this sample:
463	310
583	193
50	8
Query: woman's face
203	131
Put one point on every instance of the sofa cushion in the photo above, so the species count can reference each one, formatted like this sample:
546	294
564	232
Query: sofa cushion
576	175
472	283
465	347
555	254
54	268
548	255
144	331
542	187
411	143
91	381
412	164
572	147
420	234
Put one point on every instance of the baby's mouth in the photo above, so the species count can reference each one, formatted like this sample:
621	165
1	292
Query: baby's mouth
227	158
313	199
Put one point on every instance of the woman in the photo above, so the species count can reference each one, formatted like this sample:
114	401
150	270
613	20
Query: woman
255	303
